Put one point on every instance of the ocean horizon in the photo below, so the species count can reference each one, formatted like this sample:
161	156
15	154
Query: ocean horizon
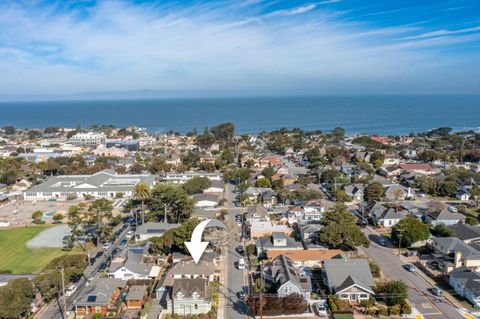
373	114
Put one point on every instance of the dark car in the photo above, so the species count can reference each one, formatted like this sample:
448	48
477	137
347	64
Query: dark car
242	295
123	243
102	267
362	222
99	254
240	250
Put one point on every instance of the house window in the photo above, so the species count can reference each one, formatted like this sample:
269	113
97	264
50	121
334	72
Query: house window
363	296
344	296
354	289
196	306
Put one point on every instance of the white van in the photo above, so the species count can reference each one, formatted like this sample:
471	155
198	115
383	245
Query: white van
241	263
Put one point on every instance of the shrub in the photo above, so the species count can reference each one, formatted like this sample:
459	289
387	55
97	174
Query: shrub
382	311
374	268
406	309
332	303
394	310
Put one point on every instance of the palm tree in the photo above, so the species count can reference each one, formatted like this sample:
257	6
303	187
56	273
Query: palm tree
141	193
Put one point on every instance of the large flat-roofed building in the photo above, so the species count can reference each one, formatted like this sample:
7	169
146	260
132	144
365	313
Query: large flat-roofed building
104	184
90	139
180	178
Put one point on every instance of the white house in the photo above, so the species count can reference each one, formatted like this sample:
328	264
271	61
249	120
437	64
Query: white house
466	283
206	201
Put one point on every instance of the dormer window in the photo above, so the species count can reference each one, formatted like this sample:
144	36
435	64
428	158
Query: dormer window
179	295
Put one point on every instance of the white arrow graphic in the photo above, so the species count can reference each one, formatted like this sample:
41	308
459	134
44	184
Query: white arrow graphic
196	246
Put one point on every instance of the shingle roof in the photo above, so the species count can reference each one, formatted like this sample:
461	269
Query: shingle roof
99	292
465	232
340	272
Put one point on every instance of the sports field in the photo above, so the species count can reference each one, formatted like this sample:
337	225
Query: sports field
15	256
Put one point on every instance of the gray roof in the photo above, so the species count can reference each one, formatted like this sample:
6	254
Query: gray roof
265	243
187	286
208	197
465	232
343	272
104	181
99	292
453	244
468	279
136	293
154	228
189	267
133	261
282	270
446	215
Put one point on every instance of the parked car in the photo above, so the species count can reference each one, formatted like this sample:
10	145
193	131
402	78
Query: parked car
410	267
123	242
99	254
89	281
382	242
241	264
241	295
70	290
436	291
321	307
129	234
107	245
240	250
102	267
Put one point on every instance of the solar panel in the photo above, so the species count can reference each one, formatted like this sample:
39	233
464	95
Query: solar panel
92	298
155	231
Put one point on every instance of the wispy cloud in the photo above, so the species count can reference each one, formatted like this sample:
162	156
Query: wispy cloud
234	45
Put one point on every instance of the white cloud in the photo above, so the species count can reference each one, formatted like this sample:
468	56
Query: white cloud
117	46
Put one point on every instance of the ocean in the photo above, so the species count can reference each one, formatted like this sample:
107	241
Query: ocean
380	114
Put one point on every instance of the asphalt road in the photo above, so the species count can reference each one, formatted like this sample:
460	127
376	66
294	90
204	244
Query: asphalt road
236	279
53	310
429	306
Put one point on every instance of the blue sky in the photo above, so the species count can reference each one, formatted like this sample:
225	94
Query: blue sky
322	47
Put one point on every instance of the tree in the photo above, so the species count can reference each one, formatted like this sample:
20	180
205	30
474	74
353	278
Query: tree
16	298
263	182
58	217
374	192
100	213
409	230
377	159
173	239
224	132
196	185
470	220
141	193
37	215
9	130
392	292
341	230
76	223
475	192
441	230
171	202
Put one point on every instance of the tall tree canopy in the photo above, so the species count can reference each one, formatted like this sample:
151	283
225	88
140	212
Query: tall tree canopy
170	202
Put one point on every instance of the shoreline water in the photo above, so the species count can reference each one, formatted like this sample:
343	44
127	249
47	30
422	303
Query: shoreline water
379	114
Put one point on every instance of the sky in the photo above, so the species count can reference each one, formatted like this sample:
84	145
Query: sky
269	46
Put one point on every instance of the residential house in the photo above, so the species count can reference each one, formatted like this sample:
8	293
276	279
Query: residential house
206	201
355	191
305	258
309	236
452	253
465	232
286	278
349	279
216	187
89	139
466	284
312	214
398	193
99	297
260	229
420	168
135	263
389	217
190	297
443	217
152	229
278	241
256	213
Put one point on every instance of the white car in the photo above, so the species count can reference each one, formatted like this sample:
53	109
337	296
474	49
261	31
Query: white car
70	290
89	281
321	308
107	245
129	234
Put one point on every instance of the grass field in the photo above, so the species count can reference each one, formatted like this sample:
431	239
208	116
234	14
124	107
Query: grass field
15	256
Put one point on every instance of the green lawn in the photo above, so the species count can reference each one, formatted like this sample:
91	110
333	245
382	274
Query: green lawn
15	256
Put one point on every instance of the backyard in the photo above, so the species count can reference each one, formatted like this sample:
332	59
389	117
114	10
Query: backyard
17	258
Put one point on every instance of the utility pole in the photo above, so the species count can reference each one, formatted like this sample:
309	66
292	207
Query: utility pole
62	271
399	242
261	291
